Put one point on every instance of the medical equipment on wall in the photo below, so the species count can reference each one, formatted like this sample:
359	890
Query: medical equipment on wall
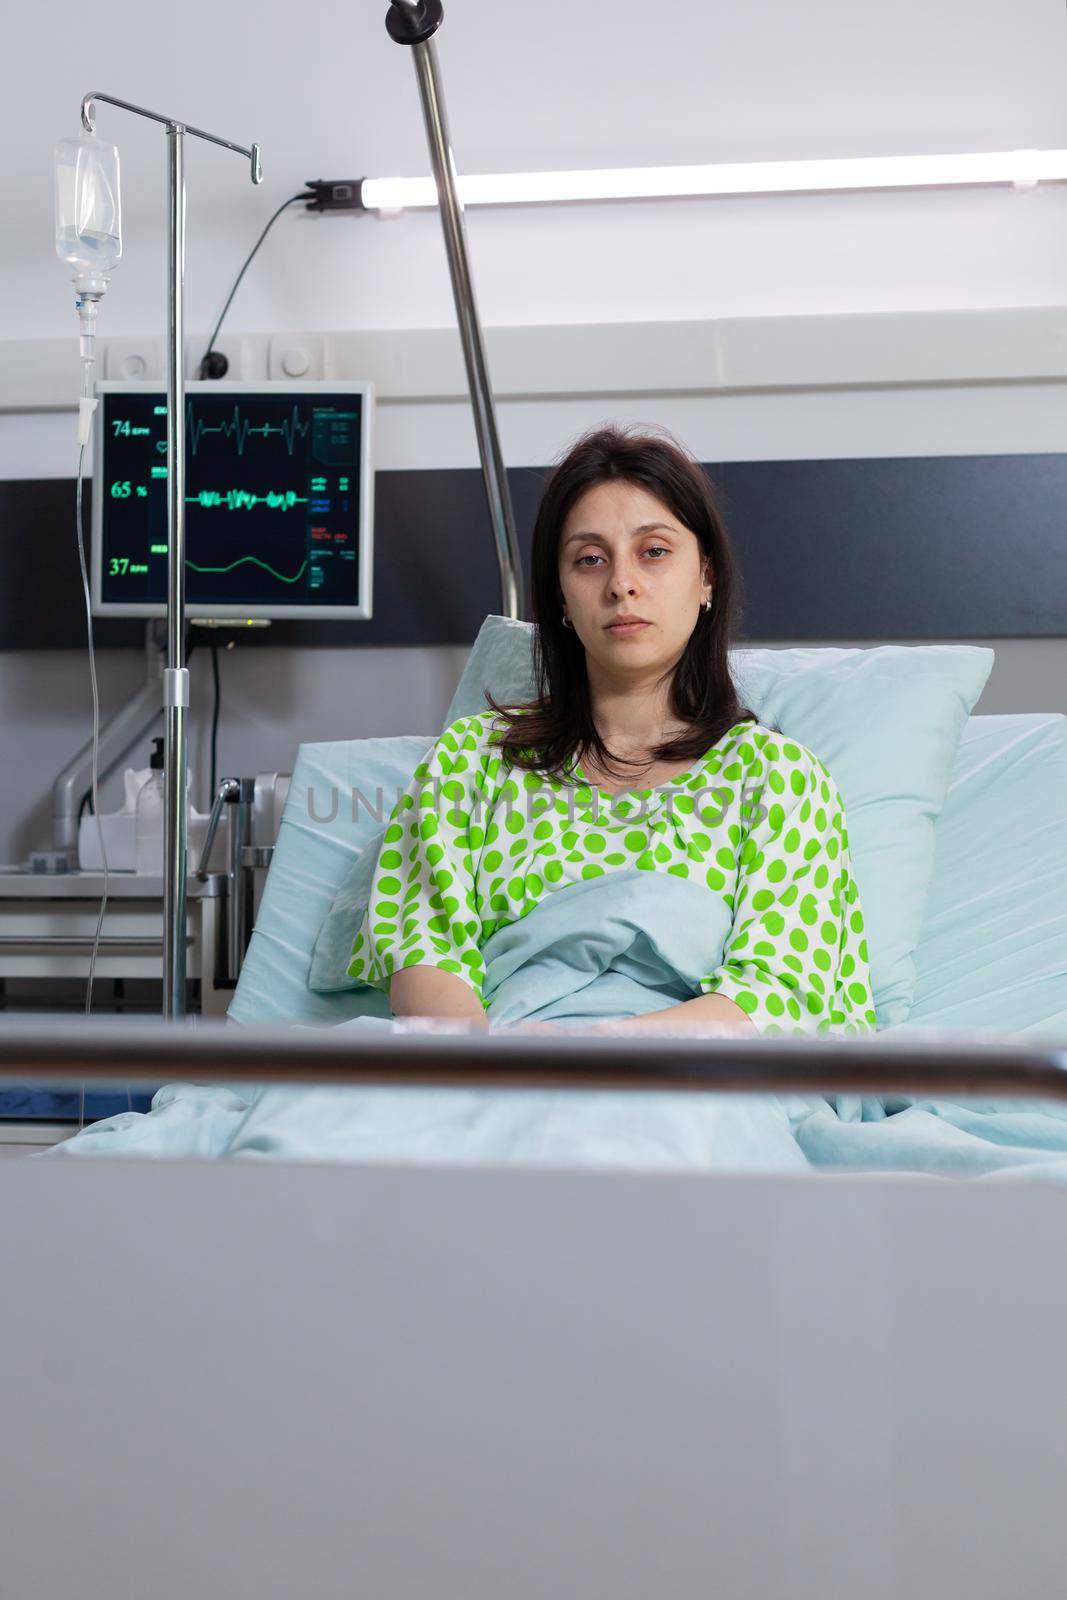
96	178
120	828
148	817
279	500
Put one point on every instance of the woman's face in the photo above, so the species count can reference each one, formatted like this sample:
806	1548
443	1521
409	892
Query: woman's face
622	553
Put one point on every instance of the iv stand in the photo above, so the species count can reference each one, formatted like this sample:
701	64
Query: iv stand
176	673
414	22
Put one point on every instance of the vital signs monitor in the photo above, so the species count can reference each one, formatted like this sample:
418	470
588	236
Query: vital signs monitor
279	500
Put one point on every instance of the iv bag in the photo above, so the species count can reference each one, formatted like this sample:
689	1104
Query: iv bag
88	220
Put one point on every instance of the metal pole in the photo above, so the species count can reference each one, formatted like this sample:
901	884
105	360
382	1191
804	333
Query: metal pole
414	24
239	906
176	676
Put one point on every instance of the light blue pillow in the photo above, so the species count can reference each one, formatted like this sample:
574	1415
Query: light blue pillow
347	821
993	949
501	660
887	723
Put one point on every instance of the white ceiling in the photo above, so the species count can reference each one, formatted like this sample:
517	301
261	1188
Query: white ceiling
543	84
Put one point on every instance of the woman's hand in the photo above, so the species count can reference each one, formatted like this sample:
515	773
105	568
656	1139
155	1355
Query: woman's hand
423	991
527	1027
673	1020
698	1014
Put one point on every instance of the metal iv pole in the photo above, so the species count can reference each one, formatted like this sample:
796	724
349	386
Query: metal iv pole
176	673
414	22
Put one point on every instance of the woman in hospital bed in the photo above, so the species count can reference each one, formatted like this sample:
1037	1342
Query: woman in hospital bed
634	594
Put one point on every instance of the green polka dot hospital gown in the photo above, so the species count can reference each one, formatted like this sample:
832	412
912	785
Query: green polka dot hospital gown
758	819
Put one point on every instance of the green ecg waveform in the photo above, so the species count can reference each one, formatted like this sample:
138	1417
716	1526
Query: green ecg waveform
241	500
239	430
273	572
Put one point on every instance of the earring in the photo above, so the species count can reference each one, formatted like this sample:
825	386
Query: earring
705	605
567	623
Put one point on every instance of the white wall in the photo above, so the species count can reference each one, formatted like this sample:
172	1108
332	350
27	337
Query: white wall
327	94
551	84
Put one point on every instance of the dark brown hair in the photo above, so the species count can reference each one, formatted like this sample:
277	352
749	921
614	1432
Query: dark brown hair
550	732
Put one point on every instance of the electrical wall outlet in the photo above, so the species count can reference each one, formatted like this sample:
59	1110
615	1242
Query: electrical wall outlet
232	346
298	355
130	360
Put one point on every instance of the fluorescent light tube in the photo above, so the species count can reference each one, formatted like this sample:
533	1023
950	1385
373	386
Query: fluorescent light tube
1023	168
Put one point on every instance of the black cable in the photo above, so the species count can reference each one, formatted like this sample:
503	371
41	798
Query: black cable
214	720
305	194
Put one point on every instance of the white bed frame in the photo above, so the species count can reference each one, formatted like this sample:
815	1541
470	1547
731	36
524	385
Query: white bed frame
261	1379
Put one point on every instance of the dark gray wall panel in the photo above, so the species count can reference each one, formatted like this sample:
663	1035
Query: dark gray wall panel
946	547
950	547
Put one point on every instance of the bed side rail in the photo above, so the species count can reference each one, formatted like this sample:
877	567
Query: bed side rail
455	1054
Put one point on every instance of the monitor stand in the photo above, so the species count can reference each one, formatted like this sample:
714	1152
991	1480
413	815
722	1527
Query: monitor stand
130	723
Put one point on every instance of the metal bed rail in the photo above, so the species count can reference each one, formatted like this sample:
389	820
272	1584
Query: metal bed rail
461	1056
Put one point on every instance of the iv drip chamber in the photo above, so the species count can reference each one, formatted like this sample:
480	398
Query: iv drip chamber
88	209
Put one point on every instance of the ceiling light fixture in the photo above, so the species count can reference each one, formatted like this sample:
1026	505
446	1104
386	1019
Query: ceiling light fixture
1021	168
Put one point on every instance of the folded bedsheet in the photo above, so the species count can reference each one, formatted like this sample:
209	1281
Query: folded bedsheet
549	967
656	1130
618	945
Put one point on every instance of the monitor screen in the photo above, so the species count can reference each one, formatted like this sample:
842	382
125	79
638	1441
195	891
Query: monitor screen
278	500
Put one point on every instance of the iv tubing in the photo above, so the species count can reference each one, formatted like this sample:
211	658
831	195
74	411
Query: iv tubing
87	405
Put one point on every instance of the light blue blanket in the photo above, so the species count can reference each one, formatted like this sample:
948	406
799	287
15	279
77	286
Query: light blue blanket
582	955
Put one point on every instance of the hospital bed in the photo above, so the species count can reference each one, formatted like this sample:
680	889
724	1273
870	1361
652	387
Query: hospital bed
513	1366
993	949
